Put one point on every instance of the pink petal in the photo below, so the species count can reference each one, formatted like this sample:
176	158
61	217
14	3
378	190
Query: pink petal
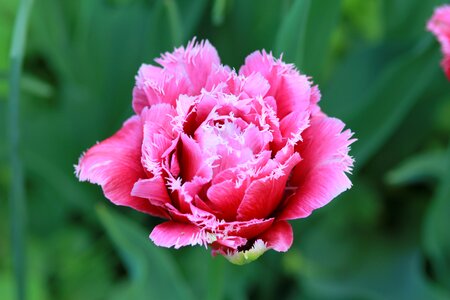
439	25
153	189
115	164
264	195
188	192
154	85
445	63
229	242
158	136
293	94
279	236
145	73
291	90
173	234
320	176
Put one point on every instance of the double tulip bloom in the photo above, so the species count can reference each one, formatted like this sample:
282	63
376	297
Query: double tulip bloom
226	157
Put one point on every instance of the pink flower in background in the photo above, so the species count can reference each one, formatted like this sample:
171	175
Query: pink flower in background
225	157
439	24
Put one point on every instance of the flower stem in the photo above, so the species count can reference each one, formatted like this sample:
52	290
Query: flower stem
216	278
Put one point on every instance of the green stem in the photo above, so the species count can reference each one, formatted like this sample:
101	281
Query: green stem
216	278
17	199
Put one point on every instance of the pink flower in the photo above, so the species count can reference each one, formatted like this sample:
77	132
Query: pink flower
227	158
439	25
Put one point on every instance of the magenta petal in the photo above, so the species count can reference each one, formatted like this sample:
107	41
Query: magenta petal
115	164
226	197
190	158
445	63
320	176
264	195
250	229
279	237
261	198
173	234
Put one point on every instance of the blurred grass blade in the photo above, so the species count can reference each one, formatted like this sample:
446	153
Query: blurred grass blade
153	273
391	97
218	12
437	223
429	165
321	22
174	21
291	34
17	197
192	15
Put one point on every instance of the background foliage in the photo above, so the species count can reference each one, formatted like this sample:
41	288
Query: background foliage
378	70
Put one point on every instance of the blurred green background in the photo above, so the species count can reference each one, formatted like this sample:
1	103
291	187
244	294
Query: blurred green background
378	70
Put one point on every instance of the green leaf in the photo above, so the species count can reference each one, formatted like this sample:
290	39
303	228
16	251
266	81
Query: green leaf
365	16
191	16
17	186
218	12
429	165
391	97
291	37
384	274
437	223
174	21
153	272
321	23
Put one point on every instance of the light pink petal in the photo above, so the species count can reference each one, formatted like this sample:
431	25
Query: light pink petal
145	73
173	234
115	164
160	116
258	62
255	85
263	195
293	125
153	189
320	176
279	237
226	198
256	139
439	25
197	63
